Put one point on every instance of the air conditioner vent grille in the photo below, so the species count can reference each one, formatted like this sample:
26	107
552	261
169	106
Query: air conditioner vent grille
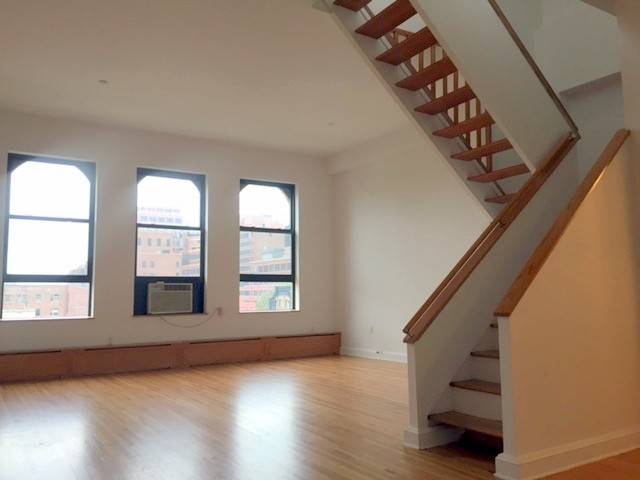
167	298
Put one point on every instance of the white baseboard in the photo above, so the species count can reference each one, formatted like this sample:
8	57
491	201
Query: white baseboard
558	459
432	437
376	355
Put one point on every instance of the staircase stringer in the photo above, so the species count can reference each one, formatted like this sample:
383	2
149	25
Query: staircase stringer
389	75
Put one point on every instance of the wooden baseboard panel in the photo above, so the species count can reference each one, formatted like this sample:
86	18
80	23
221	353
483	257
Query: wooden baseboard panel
75	362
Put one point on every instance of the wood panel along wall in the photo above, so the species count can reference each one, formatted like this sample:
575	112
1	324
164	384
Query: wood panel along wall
105	360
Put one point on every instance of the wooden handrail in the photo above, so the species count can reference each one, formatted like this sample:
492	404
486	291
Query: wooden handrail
534	66
544	249
425	316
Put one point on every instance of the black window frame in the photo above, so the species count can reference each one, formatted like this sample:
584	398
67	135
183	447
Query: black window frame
141	283
290	191
15	160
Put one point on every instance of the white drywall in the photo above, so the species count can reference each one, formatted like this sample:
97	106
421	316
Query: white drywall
117	152
573	43
598	111
401	221
570	356
576	43
629	23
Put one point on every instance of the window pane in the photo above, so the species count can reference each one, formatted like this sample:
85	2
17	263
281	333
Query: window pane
39	247
49	190
267	253
265	296
168	253
45	300
264	206
168	201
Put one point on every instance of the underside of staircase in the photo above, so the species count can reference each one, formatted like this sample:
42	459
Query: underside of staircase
425	67
505	156
476	392
475	138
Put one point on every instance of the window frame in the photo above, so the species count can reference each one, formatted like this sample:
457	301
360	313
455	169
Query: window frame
15	160
141	283
290	190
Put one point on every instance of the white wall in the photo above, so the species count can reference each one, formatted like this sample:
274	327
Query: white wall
576	43
573	43
570	351
598	110
117	152
629	23
401	221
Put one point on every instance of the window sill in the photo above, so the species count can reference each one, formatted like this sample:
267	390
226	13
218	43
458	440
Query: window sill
48	319
270	311
204	314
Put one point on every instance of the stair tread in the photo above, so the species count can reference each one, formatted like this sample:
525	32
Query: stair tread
484	150
444	103
428	75
501	198
478	386
500	174
354	5
408	48
474	123
388	19
485	426
486	353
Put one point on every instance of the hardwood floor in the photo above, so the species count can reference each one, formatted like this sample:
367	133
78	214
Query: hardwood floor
319	418
620	467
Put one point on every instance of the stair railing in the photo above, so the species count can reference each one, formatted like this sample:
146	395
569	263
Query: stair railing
441	296
534	66
442	87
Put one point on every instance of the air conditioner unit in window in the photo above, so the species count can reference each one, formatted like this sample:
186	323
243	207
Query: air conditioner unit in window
165	297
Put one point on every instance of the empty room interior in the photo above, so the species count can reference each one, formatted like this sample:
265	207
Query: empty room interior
320	239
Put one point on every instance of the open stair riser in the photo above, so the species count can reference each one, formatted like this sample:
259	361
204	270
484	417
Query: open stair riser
428	69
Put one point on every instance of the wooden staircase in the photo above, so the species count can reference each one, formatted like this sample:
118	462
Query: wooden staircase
427	68
477	396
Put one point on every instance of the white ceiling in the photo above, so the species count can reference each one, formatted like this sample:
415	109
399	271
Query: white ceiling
273	73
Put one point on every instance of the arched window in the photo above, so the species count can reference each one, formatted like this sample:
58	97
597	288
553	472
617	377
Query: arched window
267	247
48	238
170	234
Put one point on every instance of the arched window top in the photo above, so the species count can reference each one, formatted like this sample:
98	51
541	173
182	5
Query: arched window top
164	200
42	189
265	206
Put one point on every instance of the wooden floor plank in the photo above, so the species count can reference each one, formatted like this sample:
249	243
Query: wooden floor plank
313	419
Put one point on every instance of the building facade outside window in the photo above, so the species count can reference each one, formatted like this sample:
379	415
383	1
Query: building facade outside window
170	233
49	237
267	247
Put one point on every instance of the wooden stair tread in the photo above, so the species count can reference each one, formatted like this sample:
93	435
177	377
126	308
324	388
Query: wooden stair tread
388	19
444	103
408	48
354	5
428	75
486	353
500	174
492	428
474	123
478	386
501	198
484	150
